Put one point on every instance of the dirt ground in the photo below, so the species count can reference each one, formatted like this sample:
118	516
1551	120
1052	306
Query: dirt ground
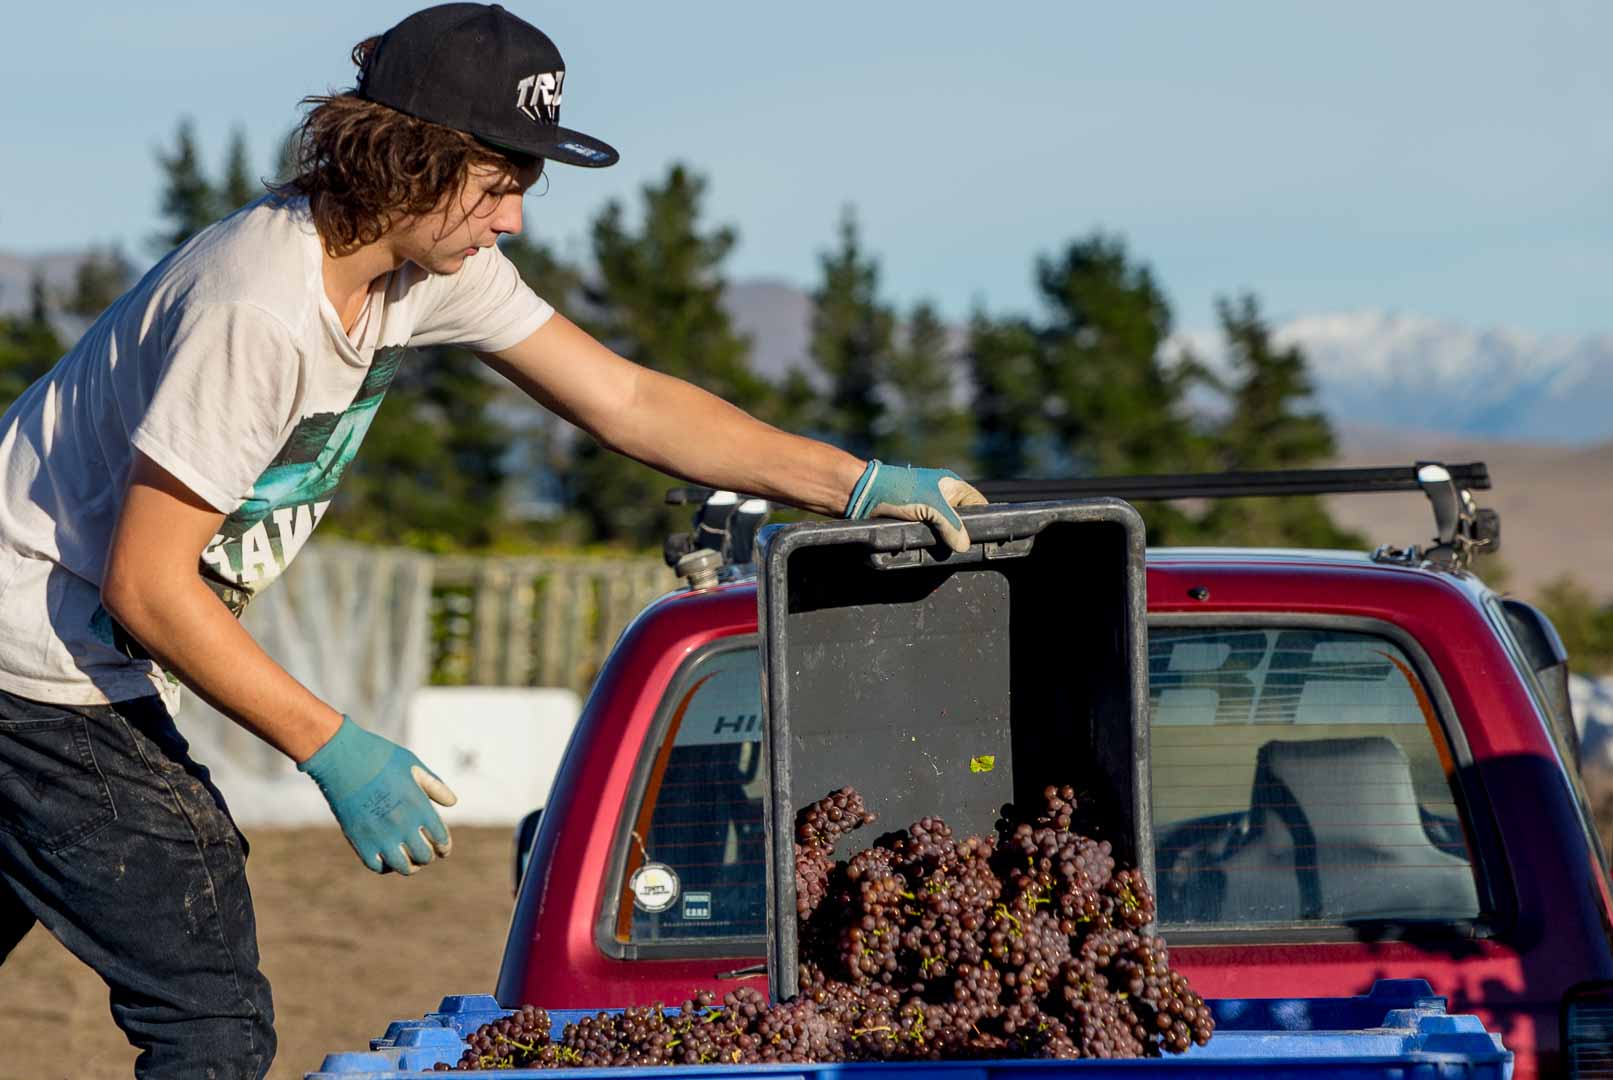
345	950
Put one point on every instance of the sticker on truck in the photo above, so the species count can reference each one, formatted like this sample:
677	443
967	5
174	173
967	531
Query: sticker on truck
655	887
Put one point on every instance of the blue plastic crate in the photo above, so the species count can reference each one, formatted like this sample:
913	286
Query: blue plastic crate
1400	1029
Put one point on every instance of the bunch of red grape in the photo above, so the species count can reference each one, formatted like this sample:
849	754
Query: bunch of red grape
519	1040
817	829
1029	943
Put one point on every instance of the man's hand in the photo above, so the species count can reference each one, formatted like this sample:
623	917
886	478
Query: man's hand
378	791
909	494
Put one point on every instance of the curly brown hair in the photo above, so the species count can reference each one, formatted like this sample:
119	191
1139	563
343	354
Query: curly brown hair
364	165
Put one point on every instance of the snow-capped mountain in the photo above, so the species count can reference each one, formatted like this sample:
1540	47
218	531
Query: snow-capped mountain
1405	371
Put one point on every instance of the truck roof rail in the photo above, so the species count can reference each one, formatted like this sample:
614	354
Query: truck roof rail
1474	476
1229	485
1462	528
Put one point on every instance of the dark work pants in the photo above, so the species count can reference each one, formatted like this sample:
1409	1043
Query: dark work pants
115	840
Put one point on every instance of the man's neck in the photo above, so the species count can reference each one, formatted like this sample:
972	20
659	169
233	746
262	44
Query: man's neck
348	277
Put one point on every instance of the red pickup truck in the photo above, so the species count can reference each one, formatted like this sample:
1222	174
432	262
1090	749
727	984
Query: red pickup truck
1363	768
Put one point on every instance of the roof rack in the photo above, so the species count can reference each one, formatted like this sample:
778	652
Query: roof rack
725	522
1230	485
1462	528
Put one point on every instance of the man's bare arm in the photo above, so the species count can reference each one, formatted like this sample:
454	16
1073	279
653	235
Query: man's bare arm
673	425
152	588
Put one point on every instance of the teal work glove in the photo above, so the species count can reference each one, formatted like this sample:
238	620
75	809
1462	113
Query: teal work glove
909	494
378	792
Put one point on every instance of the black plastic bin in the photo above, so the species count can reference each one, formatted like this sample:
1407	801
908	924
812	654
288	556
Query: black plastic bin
953	684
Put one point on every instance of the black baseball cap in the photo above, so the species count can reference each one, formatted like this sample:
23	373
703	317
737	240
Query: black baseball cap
478	69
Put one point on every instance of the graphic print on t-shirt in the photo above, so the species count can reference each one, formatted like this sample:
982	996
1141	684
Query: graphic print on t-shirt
258	540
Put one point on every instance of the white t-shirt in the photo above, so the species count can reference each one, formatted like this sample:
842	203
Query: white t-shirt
229	367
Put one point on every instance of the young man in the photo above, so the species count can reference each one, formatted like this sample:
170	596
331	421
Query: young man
173	463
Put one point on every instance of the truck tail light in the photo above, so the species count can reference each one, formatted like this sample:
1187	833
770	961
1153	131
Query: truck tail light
1588	1031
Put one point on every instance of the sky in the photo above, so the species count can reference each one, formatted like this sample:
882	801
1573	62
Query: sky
1452	160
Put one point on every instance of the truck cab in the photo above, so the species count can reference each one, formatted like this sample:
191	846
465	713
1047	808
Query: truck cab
1361	770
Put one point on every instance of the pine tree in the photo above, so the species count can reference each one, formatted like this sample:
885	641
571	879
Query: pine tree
1005	369
100	279
1267	388
188	200
851	344
1268	426
659	290
1119	407
657	295
240	186
927	427
1115	404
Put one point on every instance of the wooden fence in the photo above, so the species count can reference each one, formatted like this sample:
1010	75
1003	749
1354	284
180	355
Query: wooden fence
534	621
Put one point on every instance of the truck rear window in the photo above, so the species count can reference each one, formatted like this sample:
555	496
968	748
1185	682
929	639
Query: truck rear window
696	868
1300	778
